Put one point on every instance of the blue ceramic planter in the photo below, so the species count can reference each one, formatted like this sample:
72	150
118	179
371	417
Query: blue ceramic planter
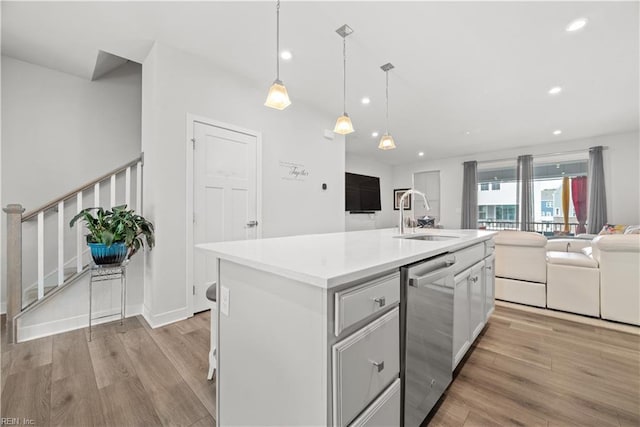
103	254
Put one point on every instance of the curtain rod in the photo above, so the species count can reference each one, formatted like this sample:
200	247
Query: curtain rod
540	155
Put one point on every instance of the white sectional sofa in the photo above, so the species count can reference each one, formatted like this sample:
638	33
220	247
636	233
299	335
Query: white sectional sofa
599	277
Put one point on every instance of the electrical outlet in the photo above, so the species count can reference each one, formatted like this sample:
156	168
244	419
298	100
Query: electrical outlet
224	300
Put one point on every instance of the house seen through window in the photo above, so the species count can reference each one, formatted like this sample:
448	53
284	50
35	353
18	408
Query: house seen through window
497	195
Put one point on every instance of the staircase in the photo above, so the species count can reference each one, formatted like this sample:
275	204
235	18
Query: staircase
42	240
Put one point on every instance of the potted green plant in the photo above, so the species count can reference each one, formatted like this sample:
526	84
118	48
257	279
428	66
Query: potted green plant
116	234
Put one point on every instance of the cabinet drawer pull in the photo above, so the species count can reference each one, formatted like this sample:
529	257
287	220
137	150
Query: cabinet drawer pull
379	365
381	301
474	279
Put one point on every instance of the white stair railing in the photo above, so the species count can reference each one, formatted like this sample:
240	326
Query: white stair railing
16	218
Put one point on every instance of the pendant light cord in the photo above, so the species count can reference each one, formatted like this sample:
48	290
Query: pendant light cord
387	124
278	41
344	74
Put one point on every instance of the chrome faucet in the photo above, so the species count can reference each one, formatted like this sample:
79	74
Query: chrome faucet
408	192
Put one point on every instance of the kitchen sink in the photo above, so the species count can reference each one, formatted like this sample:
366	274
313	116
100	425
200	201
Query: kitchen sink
430	237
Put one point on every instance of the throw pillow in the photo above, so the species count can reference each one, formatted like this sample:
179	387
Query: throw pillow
612	229
632	229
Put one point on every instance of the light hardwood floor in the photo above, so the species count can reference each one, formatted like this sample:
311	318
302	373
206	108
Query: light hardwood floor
128	375
531	369
526	369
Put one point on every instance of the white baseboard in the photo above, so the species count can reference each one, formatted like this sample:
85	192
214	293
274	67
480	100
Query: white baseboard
31	332
162	319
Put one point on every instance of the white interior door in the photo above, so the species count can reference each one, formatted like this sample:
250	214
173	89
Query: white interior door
225	197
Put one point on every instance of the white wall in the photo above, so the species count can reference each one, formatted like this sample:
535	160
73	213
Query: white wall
386	217
176	83
622	175
60	131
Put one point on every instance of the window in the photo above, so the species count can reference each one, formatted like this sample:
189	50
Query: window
506	213
482	212
500	203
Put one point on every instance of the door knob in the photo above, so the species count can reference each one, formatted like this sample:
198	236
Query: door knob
252	224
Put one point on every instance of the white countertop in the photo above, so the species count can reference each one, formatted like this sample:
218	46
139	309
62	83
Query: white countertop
328	260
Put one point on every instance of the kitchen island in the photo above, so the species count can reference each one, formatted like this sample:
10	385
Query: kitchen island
312	329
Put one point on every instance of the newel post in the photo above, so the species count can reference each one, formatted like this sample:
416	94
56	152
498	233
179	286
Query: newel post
14	266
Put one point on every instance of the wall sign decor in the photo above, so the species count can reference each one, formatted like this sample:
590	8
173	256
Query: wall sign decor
397	194
293	171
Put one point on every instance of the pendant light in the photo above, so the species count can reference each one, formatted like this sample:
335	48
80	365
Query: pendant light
278	97
343	124
386	142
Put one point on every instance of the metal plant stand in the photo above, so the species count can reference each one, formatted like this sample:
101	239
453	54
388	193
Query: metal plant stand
103	273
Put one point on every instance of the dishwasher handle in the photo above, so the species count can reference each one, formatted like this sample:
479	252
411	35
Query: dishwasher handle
430	278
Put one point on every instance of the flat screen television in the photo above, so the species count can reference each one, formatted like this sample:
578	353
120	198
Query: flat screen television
362	193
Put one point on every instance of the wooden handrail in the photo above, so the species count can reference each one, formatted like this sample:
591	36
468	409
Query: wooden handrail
53	203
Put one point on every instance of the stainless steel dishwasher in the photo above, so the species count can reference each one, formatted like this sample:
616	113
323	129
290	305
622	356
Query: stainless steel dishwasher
426	340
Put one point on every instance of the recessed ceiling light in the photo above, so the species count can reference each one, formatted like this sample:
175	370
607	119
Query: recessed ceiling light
374	134
286	55
555	90
421	154
577	25
557	132
467	133
366	100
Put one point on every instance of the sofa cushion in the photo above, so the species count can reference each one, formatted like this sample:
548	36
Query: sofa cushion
520	238
571	258
588	251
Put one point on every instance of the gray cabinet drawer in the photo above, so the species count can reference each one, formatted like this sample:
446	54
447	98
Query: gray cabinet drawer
466	257
384	411
357	303
364	364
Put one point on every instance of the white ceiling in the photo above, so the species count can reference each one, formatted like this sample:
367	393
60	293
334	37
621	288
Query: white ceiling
478	67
